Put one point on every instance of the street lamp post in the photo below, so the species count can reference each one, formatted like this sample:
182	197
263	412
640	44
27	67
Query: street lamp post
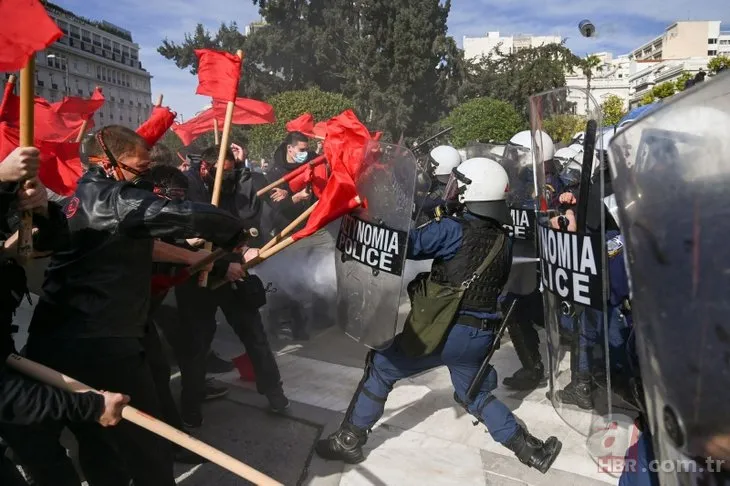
65	69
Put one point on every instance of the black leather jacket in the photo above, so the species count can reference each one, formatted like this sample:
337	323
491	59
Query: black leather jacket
98	284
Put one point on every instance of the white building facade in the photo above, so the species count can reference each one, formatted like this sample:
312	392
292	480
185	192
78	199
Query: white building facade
94	54
476	47
610	78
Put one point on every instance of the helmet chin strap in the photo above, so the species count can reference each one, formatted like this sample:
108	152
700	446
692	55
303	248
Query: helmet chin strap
112	167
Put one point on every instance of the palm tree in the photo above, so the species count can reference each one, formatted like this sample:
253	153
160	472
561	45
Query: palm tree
589	65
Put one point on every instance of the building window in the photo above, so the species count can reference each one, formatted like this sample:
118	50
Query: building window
63	26
712	53
76	66
97	40
40	82
85	35
712	41
80	92
116	48
75	32
49	61
107	43
101	114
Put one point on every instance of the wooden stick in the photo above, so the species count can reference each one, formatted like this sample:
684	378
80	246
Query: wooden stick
215	200
293	174
265	255
216	137
82	130
285	232
11	83
158	103
27	74
59	380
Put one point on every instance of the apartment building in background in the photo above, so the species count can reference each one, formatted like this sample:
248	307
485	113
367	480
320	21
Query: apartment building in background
91	54
682	40
476	47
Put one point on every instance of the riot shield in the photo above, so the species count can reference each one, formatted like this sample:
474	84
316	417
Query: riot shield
671	174
573	269
371	246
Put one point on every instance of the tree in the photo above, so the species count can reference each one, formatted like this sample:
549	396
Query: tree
664	90
512	77
682	80
562	128
483	119
612	110
647	99
255	82
718	63
589	66
263	139
391	57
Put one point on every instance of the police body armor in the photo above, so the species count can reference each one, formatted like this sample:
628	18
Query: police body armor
479	237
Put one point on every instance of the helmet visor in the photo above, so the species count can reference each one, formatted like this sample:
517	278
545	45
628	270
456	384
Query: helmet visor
456	185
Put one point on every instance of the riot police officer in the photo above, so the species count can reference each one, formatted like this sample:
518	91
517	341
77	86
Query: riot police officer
442	159
472	246
523	284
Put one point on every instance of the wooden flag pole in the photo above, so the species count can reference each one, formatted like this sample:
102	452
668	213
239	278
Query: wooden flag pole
319	160
158	103
285	232
216	137
265	255
11	82
225	136
54	378
82	130
27	74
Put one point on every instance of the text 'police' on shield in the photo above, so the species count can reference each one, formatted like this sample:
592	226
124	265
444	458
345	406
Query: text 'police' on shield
376	246
523	222
571	266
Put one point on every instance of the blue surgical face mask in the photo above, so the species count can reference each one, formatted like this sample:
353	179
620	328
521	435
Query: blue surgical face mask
301	157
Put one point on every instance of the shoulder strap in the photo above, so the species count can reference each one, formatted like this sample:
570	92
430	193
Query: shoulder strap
487	260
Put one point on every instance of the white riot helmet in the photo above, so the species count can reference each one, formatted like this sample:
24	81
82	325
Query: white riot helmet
444	159
482	185
521	145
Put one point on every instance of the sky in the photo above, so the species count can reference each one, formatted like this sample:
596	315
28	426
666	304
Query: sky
621	26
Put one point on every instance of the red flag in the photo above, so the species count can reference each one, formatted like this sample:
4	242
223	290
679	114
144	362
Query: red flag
9	139
218	74
246	112
6	95
80	106
157	124
316	173
60	166
194	127
49	124
320	130
303	124
26	29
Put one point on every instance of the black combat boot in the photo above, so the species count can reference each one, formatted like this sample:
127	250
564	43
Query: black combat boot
527	378
344	445
533	452
578	392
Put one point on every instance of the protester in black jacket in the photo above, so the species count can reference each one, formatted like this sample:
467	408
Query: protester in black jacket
285	207
24	401
90	321
239	298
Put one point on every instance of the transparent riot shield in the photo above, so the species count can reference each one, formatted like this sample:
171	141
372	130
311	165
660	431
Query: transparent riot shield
371	246
573	268
671	177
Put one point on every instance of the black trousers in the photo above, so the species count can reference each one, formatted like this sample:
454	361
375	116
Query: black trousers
9	474
108	456
197	308
160	370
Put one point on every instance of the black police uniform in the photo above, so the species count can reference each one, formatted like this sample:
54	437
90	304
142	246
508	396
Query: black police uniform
90	321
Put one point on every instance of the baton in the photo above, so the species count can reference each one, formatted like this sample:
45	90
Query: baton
476	382
418	147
